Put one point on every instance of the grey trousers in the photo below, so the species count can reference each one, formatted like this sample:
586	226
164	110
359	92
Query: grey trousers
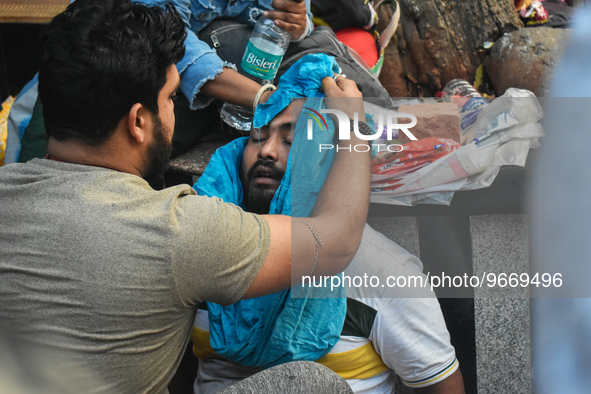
298	377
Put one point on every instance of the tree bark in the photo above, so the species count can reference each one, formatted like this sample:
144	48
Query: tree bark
440	40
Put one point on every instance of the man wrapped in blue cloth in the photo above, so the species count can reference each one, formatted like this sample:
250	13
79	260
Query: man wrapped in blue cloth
366	335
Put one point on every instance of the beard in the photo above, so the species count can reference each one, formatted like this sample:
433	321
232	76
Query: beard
257	197
159	152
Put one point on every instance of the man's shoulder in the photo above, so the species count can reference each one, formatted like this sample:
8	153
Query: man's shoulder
375	240
382	273
40	178
380	256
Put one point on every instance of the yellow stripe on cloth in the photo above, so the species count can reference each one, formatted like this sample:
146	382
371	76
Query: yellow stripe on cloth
319	21
440	376
361	363
6	106
201	346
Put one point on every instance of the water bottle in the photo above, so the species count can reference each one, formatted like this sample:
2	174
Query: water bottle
460	88
470	101
260	62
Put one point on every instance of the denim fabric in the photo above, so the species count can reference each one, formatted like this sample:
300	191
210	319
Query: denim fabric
201	63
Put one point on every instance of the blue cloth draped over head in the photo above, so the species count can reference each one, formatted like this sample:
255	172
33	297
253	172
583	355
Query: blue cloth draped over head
278	328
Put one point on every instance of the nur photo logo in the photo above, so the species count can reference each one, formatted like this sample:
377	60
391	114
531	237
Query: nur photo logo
386	122
317	117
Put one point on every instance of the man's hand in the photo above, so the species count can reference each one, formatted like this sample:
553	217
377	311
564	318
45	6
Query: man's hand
290	15
342	94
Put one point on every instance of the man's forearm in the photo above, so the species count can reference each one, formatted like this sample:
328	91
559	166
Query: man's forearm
341	208
340	211
339	195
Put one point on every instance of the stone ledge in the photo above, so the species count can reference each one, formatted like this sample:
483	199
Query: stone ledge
189	166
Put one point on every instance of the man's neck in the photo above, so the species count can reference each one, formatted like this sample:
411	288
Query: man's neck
104	155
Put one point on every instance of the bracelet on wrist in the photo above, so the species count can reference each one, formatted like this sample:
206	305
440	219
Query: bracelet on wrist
263	89
307	30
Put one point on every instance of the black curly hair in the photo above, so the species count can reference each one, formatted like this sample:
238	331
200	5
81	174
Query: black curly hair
99	59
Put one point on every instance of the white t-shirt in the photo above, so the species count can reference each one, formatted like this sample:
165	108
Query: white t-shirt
388	330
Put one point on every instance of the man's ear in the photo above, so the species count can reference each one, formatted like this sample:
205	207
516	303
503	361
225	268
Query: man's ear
136	122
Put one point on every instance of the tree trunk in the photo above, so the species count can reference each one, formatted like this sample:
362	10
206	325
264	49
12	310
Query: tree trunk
440	40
